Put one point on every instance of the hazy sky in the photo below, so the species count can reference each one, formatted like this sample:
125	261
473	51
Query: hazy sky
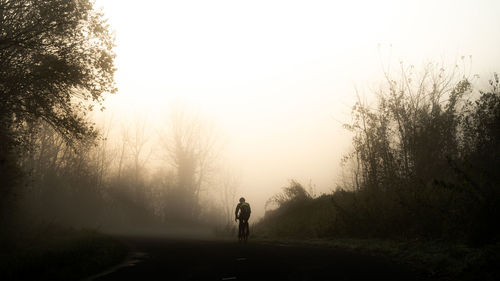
278	77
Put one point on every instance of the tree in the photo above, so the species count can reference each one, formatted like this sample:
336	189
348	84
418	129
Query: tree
228	186
191	148
57	62
292	194
426	160
409	135
56	56
479	180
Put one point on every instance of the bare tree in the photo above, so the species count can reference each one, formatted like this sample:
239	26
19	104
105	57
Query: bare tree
228	187
190	146
137	143
124	144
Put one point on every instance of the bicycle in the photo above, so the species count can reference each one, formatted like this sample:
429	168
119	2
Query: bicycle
243	230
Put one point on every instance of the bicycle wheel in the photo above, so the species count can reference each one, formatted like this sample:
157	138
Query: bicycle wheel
247	231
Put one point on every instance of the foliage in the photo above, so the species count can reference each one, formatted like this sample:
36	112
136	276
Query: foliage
296	214
52	52
425	168
103	185
57	61
424	161
291	194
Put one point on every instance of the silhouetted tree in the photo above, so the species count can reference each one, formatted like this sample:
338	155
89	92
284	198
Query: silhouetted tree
478	180
424	166
52	52
191	147
227	188
57	61
425	159
291	194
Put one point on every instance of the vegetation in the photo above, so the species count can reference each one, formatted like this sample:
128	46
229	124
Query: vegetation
423	163
48	252
51	53
440	260
55	164
423	168
57	63
59	172
107	185
55	56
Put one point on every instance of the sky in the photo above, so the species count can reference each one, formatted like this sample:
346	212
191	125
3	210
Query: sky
278	78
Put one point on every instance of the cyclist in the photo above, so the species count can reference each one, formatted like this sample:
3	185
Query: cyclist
243	214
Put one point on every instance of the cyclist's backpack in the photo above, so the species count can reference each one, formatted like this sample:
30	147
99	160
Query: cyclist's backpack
245	210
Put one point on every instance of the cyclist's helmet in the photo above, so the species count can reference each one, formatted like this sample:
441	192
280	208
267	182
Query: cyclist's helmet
242	200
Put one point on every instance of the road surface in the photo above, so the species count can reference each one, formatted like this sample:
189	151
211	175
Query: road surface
175	259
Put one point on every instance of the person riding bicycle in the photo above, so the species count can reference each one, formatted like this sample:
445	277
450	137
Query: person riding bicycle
243	214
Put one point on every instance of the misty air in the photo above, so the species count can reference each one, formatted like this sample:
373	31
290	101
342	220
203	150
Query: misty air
249	140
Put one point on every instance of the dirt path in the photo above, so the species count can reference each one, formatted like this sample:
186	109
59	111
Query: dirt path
170	259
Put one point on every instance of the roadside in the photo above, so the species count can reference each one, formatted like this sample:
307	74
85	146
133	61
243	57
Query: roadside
437	259
166	258
56	253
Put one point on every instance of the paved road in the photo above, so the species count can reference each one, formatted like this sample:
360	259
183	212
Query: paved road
171	259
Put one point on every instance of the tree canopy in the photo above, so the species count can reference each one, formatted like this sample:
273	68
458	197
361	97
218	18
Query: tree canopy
57	60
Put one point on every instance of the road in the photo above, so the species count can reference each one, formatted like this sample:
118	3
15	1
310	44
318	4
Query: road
175	259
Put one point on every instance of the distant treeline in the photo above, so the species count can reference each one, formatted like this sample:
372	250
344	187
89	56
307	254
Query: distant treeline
424	165
106	183
56	164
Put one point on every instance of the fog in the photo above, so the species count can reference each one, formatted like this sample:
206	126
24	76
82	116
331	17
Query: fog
232	139
276	80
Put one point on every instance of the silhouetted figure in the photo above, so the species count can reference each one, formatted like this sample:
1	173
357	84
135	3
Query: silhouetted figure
243	214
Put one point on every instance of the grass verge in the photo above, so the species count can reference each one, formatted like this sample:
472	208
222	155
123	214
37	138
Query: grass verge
438	259
59	254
